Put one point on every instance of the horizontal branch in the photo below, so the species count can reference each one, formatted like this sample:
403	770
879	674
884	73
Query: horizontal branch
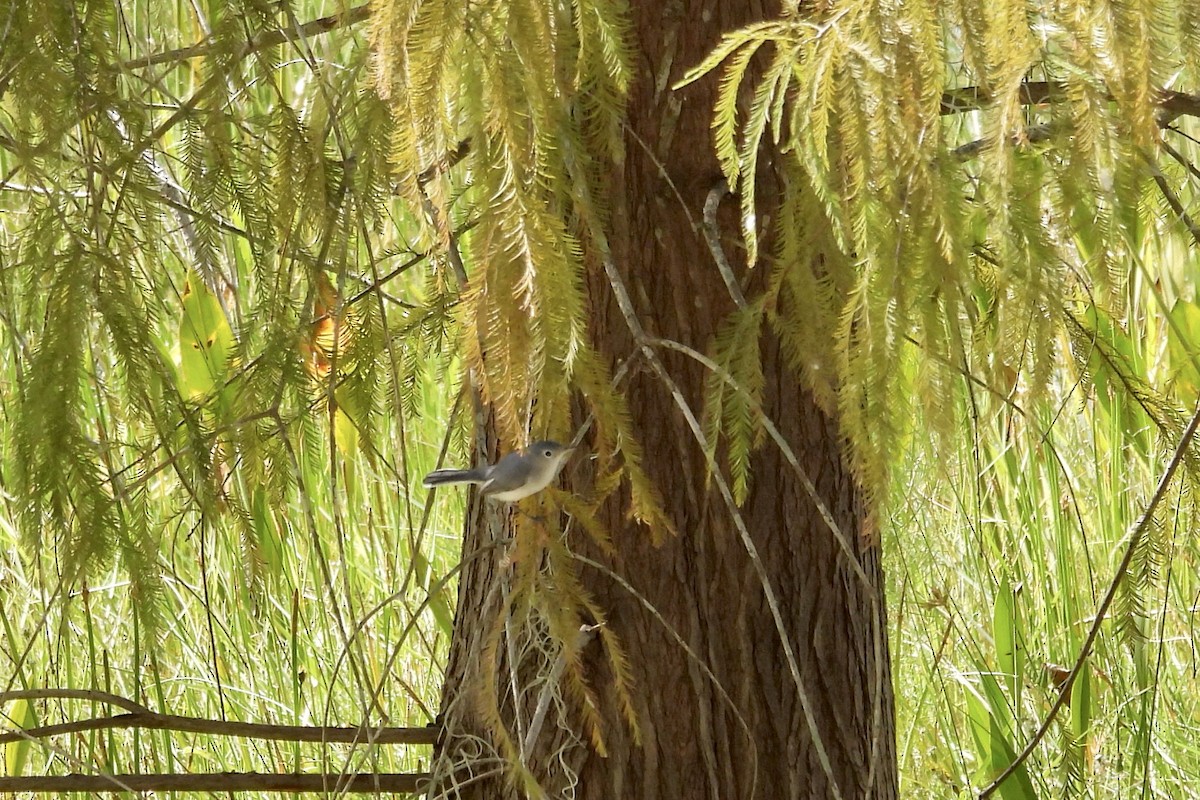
973	98
1171	104
400	783
290	733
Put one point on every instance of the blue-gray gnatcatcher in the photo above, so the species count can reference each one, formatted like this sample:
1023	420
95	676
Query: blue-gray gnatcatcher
513	477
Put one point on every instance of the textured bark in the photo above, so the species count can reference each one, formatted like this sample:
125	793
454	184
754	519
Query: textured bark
703	582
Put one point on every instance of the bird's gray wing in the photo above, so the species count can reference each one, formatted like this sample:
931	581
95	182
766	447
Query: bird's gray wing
510	472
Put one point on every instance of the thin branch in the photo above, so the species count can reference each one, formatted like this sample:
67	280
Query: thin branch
149	720
1173	200
267	39
1171	104
262	41
433	590
843	540
1179	157
1135	538
1175	129
1034	134
363	783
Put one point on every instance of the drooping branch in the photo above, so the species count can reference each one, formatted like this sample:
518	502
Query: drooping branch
1176	204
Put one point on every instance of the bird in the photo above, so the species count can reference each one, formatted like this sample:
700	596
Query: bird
514	477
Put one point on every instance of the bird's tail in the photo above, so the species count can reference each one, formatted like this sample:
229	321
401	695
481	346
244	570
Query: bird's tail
444	476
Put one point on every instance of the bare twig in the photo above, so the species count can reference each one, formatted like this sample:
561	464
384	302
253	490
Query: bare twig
1034	134
74	694
973	98
1179	157
843	540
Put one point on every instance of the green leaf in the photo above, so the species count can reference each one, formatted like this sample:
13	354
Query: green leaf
268	533
205	341
1006	632
1081	706
980	720
991	728
1183	348
1117	368
439	602
17	753
346	431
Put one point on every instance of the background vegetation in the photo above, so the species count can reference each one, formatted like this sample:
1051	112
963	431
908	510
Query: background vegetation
227	358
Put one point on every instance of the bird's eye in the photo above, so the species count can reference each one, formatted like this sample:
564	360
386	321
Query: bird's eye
547	453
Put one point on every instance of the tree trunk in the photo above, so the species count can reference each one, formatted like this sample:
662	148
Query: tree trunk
703	582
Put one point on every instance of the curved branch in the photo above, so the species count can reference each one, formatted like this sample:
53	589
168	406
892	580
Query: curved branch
1169	194
712	235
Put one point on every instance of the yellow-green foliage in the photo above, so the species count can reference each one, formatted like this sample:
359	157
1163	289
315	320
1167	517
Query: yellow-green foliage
734	394
536	93
960	185
966	211
528	86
